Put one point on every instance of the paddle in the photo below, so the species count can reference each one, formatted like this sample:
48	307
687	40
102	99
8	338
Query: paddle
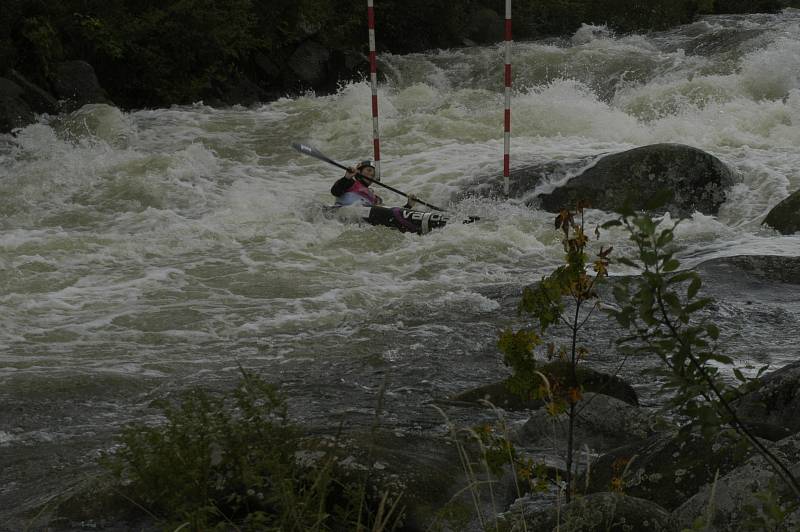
313	152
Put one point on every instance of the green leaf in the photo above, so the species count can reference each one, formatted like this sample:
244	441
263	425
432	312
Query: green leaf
697	305
667	236
674	303
626	262
694	286
722	359
680	277
671	265
712	330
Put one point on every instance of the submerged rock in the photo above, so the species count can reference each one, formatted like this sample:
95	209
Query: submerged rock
785	216
590	380
698	181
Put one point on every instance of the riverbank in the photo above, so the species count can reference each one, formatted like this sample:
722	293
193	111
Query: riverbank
57	56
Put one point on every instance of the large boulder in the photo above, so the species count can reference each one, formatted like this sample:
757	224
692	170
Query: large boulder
75	83
776	402
785	216
698	181
667	469
14	110
733	500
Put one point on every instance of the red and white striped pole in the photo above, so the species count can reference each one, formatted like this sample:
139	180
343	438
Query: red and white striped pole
373	75
507	134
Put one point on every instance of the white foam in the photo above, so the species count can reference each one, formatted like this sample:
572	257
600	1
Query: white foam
110	216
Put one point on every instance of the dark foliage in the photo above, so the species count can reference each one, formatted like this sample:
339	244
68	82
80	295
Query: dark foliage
155	53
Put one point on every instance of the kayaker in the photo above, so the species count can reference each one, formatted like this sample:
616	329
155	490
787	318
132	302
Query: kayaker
353	187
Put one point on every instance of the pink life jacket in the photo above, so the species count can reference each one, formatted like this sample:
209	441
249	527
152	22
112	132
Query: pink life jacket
359	192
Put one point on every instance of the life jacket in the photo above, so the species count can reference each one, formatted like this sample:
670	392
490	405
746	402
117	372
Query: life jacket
358	193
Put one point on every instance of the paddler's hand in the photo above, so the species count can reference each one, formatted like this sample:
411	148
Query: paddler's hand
350	172
412	199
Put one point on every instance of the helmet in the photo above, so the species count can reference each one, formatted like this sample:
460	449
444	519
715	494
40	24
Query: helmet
367	162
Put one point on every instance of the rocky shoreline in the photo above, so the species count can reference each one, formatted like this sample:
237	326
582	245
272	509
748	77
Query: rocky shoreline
637	470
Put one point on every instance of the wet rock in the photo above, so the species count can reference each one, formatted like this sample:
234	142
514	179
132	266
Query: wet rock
428	471
606	512
735	494
523	180
591	381
76	84
602	423
785	216
776	402
39	100
95	504
667	469
769	268
697	180
240	90
14	110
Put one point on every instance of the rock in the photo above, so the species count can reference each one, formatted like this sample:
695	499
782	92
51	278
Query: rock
600	512
523	180
14	110
428	471
40	100
603	423
735	498
776	402
770	268
309	62
785	216
95	504
667	469
698	181
238	90
591	381
76	84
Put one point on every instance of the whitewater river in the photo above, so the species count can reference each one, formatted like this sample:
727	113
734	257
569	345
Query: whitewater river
144	252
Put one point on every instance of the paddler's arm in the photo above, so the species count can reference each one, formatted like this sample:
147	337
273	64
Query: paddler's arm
344	183
412	199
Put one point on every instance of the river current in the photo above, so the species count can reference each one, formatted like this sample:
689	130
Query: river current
143	252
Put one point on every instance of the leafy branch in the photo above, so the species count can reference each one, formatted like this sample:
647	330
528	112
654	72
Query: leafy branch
660	307
564	297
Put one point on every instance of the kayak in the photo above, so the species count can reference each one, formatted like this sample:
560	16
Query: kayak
402	219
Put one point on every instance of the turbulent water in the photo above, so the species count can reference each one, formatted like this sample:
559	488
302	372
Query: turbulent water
147	251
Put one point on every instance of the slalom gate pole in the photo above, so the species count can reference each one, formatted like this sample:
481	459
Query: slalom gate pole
507	118
373	76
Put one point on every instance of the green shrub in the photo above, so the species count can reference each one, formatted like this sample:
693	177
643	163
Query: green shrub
219	462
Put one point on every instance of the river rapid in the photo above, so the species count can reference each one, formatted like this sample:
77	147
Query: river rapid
144	252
